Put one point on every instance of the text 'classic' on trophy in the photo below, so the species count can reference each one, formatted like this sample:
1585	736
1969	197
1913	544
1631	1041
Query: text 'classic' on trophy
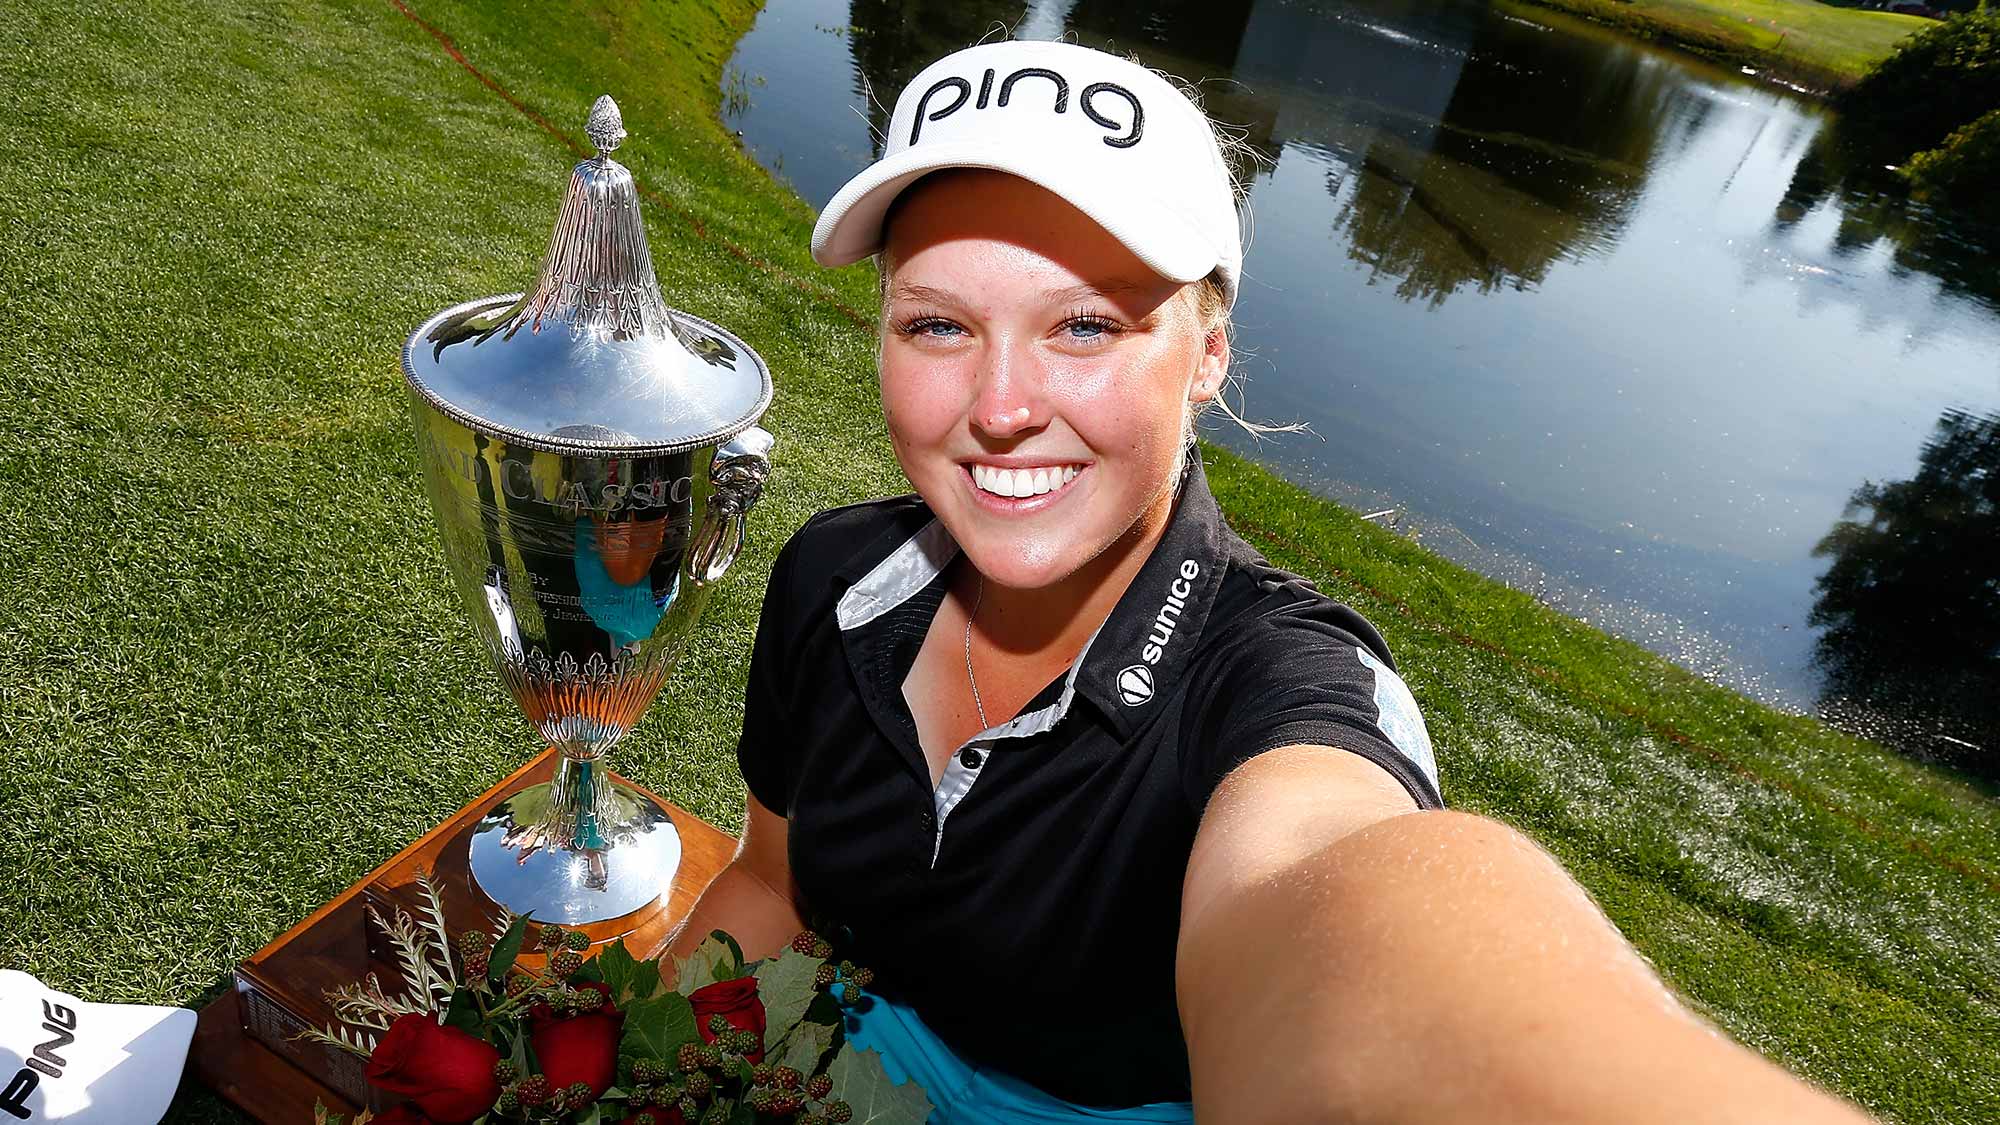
590	454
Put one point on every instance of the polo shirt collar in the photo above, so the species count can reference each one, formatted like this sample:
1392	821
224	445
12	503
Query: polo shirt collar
1140	652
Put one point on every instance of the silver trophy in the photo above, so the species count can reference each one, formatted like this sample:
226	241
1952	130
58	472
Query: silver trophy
590	454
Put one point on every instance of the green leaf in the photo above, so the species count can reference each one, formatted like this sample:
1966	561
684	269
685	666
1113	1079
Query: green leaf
785	985
592	1115
860	1081
463	1013
735	950
742	1114
628	979
732	967
656	1028
504	952
710	958
325	1116
803	1047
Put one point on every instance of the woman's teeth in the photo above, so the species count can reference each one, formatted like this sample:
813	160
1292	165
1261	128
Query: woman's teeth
1022	482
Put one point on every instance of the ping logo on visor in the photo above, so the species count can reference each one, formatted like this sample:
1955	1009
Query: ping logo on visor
1093	100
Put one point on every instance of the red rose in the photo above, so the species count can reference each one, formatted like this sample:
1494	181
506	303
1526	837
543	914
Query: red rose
446	1072
579	1048
735	1001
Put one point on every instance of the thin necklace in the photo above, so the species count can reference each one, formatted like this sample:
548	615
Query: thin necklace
977	703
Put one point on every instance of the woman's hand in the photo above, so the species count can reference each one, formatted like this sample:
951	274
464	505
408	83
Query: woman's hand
1343	957
753	897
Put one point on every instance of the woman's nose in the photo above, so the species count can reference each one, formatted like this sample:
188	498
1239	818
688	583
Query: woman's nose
1008	400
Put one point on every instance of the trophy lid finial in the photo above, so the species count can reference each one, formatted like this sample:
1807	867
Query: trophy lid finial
590	359
606	126
598	273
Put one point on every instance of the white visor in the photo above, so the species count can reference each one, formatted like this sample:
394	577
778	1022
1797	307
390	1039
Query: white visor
1116	140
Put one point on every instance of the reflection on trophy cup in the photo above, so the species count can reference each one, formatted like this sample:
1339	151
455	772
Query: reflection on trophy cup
590	455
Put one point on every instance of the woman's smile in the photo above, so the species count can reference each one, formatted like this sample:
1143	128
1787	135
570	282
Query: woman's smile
1021	486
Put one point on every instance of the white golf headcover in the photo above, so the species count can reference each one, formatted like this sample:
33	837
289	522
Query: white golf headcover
62	1059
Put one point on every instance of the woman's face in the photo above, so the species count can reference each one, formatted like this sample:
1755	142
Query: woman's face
1036	375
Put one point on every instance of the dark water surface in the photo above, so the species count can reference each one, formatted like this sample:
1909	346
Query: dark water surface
1619	329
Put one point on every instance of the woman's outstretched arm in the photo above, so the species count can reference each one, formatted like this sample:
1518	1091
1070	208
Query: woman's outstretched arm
753	897
1343	957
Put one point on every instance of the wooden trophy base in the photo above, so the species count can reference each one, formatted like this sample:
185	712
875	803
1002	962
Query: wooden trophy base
244	1046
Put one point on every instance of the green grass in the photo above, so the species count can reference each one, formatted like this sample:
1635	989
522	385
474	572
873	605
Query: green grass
232	679
1804	42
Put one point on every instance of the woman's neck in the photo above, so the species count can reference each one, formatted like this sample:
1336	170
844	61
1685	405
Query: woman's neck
1057	620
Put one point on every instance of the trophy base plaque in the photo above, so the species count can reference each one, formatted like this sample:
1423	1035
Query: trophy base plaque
243	1045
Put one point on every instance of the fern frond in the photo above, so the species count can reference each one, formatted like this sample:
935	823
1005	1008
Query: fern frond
353	1042
365	1004
420	979
441	943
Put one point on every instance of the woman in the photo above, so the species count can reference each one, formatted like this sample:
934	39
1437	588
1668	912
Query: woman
1125	819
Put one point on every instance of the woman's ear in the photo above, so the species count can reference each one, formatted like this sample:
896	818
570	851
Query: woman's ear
1213	367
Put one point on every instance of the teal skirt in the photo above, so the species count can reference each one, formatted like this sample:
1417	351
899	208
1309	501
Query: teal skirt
964	1094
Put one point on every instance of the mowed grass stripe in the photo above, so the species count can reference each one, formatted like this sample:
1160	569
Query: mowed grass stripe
232	678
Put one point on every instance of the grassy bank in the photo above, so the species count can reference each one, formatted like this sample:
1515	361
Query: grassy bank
232	679
1802	42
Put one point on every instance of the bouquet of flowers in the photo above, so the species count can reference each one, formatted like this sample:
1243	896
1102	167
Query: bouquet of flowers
478	1038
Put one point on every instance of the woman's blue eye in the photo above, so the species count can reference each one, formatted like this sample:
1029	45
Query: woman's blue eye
1088	328
940	328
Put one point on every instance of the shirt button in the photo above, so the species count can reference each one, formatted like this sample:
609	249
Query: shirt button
970	758
928	820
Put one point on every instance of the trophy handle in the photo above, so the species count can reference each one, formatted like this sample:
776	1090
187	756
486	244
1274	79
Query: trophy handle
741	466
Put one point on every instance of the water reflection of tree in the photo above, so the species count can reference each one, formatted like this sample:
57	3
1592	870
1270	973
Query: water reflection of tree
1539	155
1207	32
1194	40
1846	167
904	36
1911	602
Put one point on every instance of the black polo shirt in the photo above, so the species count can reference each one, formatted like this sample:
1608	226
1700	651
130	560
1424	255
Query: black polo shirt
1028	906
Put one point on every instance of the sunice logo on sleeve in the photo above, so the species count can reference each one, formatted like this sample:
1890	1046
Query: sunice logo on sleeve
61	1022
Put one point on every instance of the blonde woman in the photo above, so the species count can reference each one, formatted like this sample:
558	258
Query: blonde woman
1130	824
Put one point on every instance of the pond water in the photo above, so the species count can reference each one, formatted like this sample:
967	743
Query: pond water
1622	330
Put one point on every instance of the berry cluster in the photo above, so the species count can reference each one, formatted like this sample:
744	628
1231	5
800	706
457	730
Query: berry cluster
811	945
845	980
564	949
476	946
656	1085
732	1040
555	941
534	1094
802	1106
